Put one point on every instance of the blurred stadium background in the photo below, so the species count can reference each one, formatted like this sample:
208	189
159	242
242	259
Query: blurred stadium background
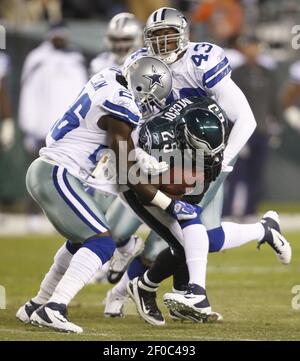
268	23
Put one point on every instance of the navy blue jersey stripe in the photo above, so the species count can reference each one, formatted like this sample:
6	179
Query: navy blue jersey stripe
214	70
81	201
122	111
219	77
69	203
93	156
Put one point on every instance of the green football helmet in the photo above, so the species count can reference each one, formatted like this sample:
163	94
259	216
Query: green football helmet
204	129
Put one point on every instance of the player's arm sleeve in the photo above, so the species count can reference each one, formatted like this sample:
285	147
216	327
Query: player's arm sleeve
233	101
126	110
217	82
216	69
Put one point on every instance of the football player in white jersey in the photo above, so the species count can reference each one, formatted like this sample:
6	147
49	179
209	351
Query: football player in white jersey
101	119
123	37
202	69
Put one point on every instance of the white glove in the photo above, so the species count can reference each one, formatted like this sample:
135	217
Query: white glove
148	164
7	134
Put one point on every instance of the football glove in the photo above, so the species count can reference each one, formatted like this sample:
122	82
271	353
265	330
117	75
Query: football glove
183	211
148	164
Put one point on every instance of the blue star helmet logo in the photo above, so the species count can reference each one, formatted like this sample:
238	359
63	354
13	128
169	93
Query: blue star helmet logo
155	78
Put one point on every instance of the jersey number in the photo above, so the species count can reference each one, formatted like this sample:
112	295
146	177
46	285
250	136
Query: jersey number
197	59
72	117
168	136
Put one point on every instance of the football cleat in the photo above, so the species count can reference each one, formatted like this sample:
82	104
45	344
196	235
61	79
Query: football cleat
120	261
193	305
145	302
270	222
54	315
114	305
24	312
176	316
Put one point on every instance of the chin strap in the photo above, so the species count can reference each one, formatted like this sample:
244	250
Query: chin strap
170	58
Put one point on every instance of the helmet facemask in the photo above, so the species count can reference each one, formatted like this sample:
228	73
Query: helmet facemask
158	37
124	36
158	46
199	141
122	46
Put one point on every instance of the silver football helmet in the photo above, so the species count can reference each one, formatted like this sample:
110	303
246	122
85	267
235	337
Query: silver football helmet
124	35
166	18
150	80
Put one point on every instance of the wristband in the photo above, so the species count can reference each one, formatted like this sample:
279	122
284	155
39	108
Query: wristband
161	200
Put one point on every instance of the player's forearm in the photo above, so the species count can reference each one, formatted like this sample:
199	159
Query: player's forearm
147	192
121	143
234	103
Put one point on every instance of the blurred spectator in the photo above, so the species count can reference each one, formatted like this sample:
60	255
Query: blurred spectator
21	11
44	9
224	18
142	9
244	186
123	37
237	57
92	8
52	78
7	128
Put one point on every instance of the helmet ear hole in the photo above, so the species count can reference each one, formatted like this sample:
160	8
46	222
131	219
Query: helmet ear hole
138	88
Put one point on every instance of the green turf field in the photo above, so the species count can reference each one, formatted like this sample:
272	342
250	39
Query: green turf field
249	287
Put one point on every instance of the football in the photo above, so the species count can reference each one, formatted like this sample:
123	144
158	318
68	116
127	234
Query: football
178	181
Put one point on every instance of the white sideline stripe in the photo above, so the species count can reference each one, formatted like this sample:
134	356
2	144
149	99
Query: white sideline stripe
76	203
46	331
20	224
241	269
97	334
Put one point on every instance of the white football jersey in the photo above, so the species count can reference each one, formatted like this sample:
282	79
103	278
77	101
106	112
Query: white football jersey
4	65
196	73
295	72
75	141
102	61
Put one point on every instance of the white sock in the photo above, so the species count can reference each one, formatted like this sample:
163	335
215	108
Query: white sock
120	288
238	234
129	246
82	267
196	249
61	263
105	267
